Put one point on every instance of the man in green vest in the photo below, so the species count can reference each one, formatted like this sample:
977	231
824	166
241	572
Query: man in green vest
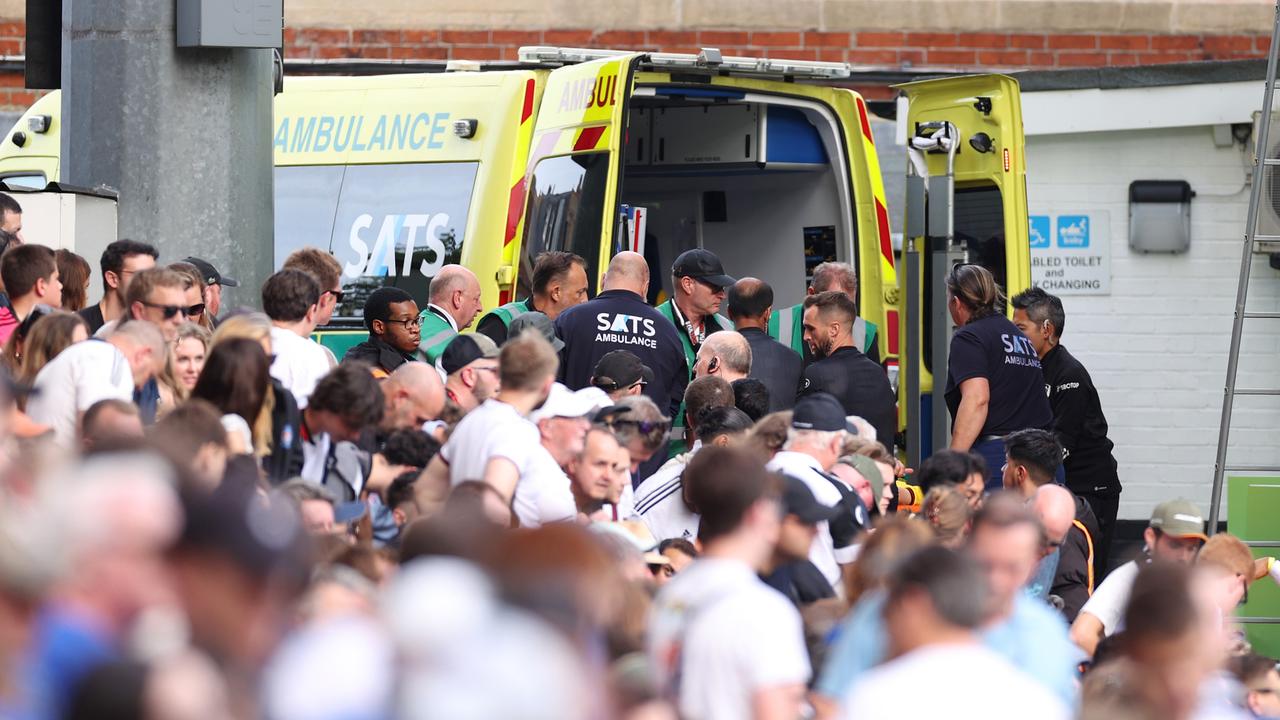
453	302
698	288
559	282
786	325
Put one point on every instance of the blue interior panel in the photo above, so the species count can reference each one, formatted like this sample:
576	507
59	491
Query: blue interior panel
792	138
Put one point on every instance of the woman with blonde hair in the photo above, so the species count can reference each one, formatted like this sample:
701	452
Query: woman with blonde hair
277	431
182	367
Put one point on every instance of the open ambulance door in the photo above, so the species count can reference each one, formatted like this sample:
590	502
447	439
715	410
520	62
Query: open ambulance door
966	202
575	164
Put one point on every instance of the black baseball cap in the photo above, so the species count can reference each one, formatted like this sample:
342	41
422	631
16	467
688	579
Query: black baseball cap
701	265
798	500
465	349
620	369
210	273
820	411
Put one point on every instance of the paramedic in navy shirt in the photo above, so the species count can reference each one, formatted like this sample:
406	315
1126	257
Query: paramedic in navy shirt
620	319
994	381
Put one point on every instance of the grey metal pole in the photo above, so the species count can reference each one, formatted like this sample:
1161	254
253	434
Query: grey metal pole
911	363
184	135
1246	263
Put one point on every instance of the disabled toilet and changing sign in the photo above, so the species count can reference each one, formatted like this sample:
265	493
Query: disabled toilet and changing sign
1071	253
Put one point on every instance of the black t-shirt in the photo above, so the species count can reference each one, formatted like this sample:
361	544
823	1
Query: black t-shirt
1080	425
861	386
993	348
93	317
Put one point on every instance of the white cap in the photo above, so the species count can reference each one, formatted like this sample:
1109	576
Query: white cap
565	403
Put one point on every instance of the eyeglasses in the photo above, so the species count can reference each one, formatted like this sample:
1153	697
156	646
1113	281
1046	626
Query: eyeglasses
195	310
169	310
408	322
338	296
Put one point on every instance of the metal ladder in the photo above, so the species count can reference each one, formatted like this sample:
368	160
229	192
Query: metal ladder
1251	241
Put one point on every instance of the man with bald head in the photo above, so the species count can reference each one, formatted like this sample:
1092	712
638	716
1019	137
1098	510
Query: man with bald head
725	355
1032	460
750	303
453	302
620	319
414	396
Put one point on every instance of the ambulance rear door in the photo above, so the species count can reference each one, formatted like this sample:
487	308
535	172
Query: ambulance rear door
575	164
966	202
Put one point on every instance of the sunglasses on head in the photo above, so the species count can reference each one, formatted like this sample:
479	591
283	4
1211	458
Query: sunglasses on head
644	426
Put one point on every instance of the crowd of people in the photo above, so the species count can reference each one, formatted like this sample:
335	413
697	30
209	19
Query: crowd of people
588	508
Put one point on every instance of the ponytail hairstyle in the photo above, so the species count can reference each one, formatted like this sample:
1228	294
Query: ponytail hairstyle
976	289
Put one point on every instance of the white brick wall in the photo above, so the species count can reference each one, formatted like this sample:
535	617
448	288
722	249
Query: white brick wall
1157	345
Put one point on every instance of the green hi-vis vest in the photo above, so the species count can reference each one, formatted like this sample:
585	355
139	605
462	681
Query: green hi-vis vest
787	327
434	336
667	309
509	312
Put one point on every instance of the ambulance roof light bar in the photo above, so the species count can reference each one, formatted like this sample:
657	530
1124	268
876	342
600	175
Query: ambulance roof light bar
708	59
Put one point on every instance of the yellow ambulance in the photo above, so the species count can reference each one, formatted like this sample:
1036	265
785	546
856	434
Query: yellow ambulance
769	163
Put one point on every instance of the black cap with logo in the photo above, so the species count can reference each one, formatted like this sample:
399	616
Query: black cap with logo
701	265
210	273
820	411
620	369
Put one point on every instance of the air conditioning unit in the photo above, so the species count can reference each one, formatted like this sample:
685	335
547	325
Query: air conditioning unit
1269	210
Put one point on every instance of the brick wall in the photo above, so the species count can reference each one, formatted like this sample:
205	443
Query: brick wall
878	49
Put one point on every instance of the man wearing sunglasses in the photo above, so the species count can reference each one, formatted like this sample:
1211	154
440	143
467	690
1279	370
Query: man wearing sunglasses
157	296
391	316
1032	459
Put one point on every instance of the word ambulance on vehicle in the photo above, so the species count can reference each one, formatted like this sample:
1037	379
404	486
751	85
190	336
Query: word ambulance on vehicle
768	163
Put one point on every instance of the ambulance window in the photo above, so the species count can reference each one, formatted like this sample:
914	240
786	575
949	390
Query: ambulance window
566	207
386	224
35	182
979	219
979	223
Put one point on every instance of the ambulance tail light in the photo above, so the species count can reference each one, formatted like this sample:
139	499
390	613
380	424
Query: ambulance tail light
465	128
891	369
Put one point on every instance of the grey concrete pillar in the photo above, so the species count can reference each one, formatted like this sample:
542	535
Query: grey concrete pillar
183	134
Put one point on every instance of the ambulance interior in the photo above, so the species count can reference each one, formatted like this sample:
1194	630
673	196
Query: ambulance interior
760	181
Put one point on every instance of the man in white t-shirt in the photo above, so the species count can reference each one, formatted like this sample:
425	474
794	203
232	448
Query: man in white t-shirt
291	299
813	446
1175	534
722	643
544	494
661	499
94	370
497	443
937	599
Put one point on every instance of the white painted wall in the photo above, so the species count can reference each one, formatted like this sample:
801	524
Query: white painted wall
1157	345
